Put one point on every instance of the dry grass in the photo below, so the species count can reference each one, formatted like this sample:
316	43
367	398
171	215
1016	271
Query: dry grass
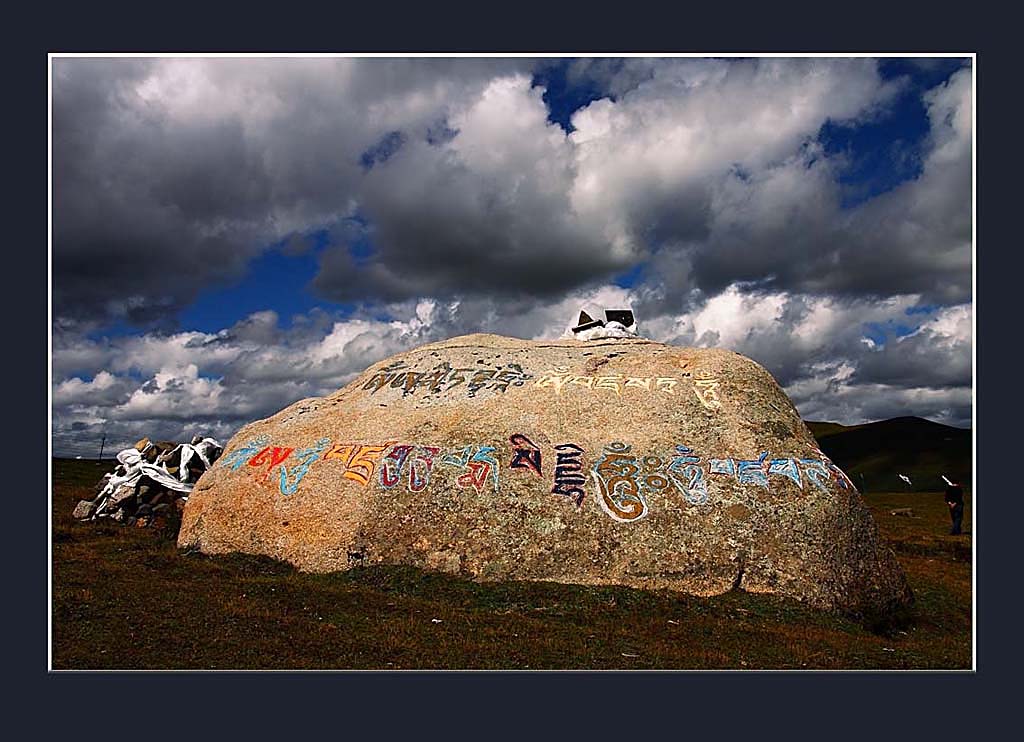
126	598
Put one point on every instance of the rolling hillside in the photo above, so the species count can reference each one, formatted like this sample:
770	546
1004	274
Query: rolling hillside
874	454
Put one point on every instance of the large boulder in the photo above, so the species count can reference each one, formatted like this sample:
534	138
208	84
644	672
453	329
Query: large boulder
610	461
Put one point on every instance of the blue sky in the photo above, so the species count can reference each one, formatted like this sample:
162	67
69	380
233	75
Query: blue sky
272	280
878	155
212	215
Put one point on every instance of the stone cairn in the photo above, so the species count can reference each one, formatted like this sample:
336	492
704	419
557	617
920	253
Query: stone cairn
151	482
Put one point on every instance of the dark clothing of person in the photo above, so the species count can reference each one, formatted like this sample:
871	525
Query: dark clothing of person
956	512
955	501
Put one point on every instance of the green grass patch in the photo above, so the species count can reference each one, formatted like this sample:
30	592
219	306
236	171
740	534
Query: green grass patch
125	597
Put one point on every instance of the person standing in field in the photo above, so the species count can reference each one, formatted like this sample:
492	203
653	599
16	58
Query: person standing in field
955	501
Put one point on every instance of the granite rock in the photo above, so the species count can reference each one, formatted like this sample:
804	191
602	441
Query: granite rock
614	461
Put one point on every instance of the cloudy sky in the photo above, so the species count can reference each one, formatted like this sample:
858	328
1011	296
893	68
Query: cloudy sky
231	235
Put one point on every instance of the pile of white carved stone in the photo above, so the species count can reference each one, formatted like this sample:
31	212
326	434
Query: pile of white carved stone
151	482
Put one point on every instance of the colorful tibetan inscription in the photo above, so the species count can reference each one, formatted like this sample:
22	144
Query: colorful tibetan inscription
290	477
443	378
525	454
420	460
624	480
688	476
242	455
360	461
569	477
270	457
620	482
817	471
477	464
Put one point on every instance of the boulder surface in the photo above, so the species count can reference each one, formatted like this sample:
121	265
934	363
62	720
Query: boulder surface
620	461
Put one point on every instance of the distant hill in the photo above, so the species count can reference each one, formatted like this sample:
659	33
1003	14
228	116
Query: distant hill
874	454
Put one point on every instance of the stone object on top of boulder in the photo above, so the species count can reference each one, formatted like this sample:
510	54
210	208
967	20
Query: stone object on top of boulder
615	461
594	322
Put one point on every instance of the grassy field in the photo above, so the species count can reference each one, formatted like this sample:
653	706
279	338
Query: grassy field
125	597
